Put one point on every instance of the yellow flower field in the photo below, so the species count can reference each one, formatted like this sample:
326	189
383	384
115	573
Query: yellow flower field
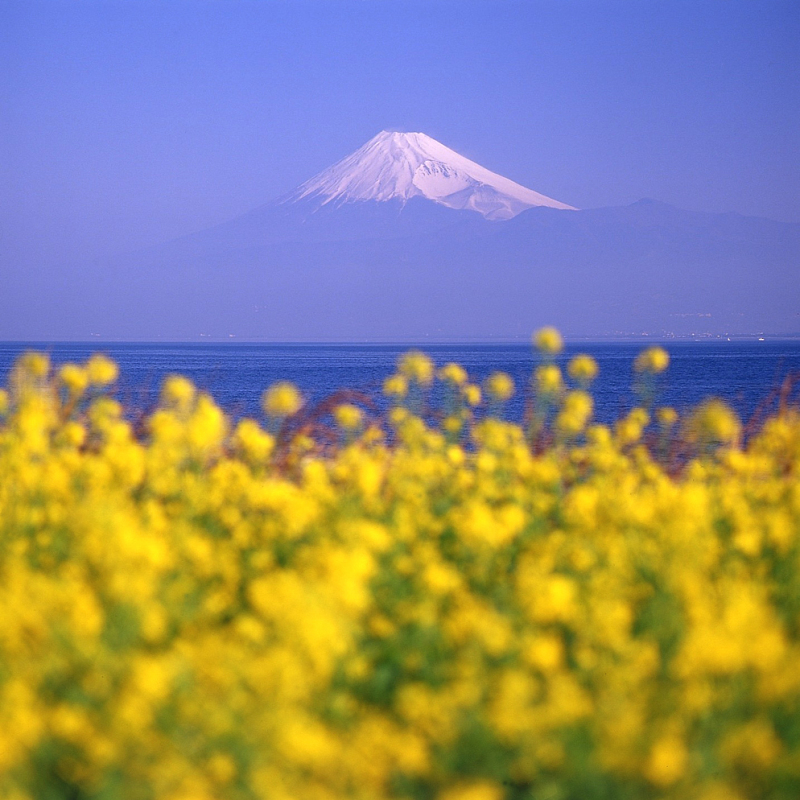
447	607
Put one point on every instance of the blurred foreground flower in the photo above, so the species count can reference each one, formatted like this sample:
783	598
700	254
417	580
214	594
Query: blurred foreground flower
499	386
178	392
583	369
74	378
548	341
416	367
713	422
396	387
101	370
454	374
549	382
348	417
653	360
282	399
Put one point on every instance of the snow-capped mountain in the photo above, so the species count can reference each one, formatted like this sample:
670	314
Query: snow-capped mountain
386	246
400	166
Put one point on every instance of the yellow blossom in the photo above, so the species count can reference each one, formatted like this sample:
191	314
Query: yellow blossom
548	380
453	425
713	421
73	433
396	387
397	416
103	411
582	368
666	417
282	399
472	394
101	370
575	413
37	365
479	790
348	417
222	767
653	360
177	392
667	762
545	652
453	373
548	341
416	367
74	378
256	444
499	386
631	427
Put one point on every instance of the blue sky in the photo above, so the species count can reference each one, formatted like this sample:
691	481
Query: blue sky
125	123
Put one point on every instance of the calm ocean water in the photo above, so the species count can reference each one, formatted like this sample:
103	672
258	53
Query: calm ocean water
743	373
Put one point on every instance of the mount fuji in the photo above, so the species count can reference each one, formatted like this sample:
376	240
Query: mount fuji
407	240
399	166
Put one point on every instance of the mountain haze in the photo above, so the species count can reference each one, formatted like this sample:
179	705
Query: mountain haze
406	240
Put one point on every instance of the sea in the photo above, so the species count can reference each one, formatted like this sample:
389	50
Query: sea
746	374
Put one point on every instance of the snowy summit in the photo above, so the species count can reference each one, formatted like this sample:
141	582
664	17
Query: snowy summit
404	165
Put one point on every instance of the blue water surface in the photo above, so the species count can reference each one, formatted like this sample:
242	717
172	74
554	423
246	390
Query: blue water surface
743	373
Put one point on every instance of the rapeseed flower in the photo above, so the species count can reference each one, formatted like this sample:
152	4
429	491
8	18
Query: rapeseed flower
37	365
713	422
454	374
253	442
548	341
666	417
74	379
396	387
416	367
479	790
429	606
549	381
499	386
631	427
653	360
101	370
583	369
472	394
282	399
348	417
178	392
575	413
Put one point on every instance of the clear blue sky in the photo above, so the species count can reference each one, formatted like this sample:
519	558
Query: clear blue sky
127	122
